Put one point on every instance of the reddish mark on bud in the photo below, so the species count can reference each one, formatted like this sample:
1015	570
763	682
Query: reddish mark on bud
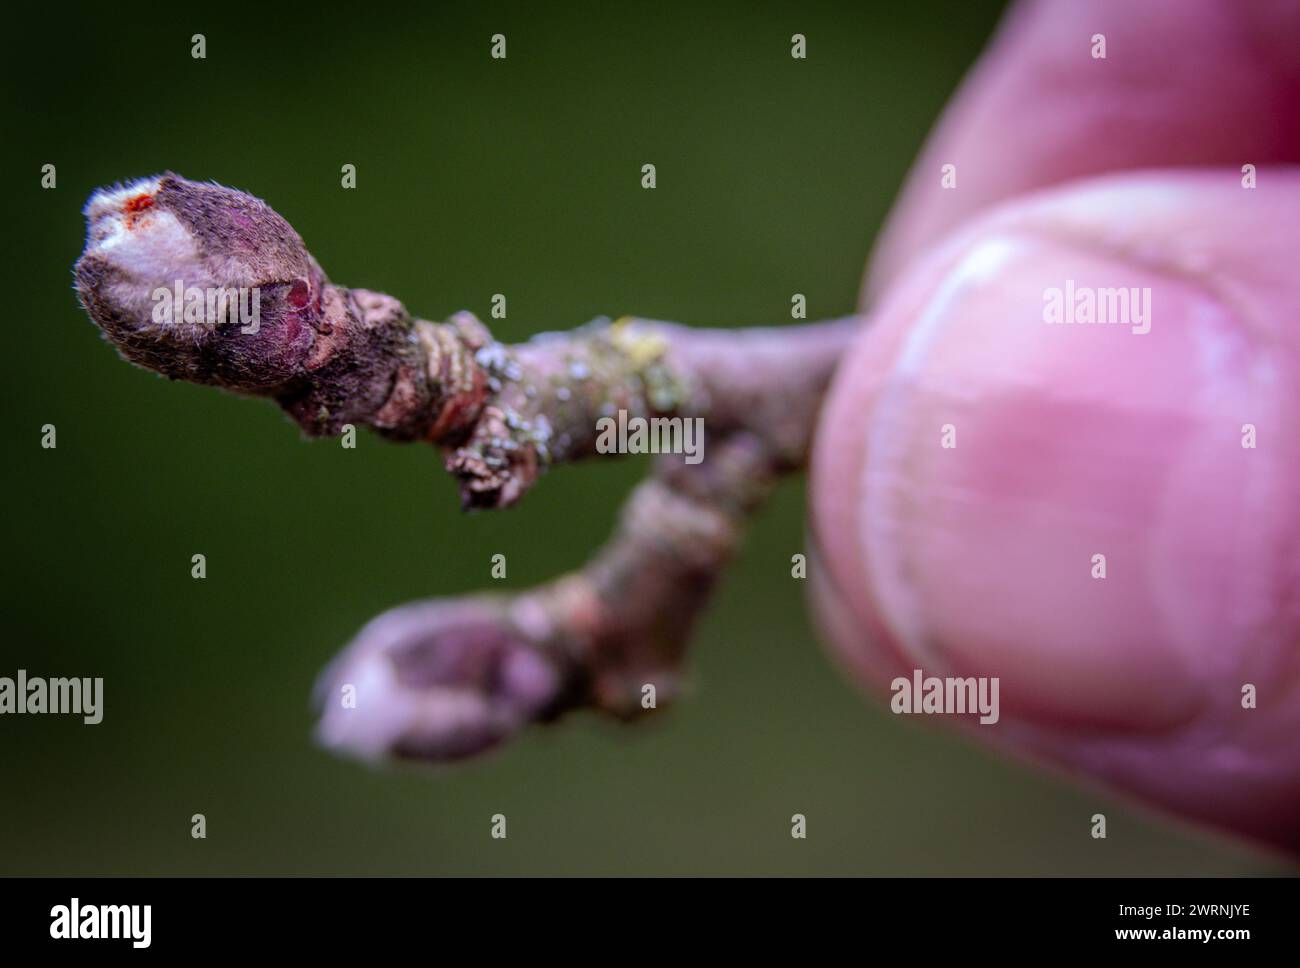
299	294
135	206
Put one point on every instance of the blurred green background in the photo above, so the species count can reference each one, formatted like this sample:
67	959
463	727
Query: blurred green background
475	176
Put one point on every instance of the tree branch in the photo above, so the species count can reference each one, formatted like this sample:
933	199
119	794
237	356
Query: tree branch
444	679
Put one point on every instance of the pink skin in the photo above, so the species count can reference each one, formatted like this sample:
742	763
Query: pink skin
1184	83
1073	441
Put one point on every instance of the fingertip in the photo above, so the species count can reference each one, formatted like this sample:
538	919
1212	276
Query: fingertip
1082	507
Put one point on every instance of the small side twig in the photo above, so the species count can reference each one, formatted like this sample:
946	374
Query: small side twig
446	679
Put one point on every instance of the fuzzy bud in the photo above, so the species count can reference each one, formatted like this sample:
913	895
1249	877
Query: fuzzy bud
437	680
200	282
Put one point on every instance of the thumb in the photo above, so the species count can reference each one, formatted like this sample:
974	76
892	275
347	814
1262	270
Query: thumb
1104	516
1178	82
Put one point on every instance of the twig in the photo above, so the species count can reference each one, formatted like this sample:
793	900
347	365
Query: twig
448	678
